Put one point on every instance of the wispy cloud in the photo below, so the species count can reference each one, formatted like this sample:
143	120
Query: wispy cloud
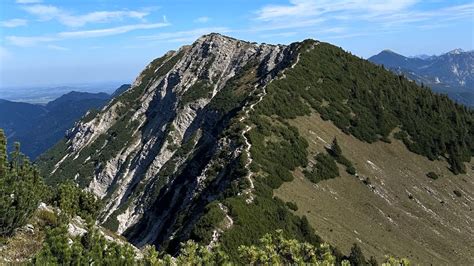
28	1
183	36
285	25
13	23
57	47
26	41
110	31
298	14
202	19
50	12
310	8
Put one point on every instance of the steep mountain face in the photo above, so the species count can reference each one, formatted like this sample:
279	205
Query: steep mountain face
451	73
166	147
200	143
39	127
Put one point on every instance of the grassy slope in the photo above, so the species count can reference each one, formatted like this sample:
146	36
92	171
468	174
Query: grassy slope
345	210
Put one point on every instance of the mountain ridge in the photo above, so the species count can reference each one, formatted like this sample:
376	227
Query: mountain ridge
451	73
205	133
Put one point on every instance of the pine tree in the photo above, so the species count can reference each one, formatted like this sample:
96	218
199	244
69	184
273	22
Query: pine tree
3	154
335	148
356	257
20	189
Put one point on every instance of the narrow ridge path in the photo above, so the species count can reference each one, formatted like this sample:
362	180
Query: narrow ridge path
248	145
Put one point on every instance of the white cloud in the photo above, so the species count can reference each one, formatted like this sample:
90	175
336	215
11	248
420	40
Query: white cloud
28	1
26	41
202	19
310	8
110	31
49	12
296	8
298	14
12	23
390	5
57	47
100	16
284	25
44	12
183	36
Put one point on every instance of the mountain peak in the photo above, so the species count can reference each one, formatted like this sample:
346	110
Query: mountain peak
214	36
388	51
456	51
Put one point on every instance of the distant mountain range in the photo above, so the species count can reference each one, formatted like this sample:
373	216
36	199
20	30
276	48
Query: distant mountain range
451	73
45	94
38	127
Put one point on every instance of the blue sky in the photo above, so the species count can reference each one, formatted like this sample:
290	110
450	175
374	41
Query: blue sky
54	42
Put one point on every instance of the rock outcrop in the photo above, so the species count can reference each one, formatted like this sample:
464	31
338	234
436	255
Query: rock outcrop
169	122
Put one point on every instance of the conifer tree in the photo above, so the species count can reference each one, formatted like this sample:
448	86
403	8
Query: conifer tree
3	154
335	148
357	257
20	189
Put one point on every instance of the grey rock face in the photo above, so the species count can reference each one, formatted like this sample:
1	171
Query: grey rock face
172	108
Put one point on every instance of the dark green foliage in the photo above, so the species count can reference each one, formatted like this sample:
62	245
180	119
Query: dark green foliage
200	89
369	102
203	230
292	206
3	154
432	175
72	200
325	168
336	149
47	218
457	193
259	218
372	261
91	248
356	257
456	164
277	149
336	152
21	188
351	170
280	251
